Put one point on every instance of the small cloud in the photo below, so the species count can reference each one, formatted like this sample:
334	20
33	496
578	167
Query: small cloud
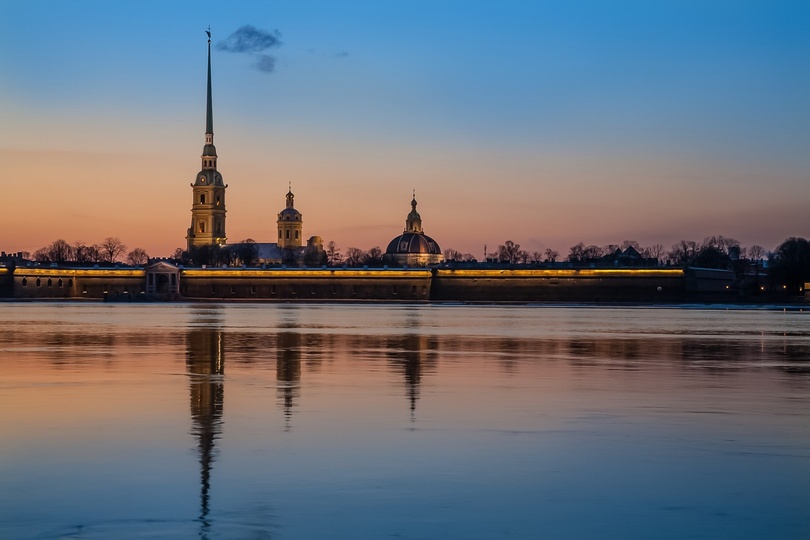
342	54
248	39
265	63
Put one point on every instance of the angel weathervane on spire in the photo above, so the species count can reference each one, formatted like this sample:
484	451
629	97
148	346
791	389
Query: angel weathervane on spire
209	34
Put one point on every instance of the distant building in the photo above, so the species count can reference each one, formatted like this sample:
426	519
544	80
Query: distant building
290	224
208	204
413	247
288	249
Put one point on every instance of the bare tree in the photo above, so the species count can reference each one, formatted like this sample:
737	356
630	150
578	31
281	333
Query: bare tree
719	242
592	252
57	252
333	255
551	255
609	249
576	253
374	256
245	252
683	252
355	256
509	252
654	251
137	257
756	252
80	252
84	254
41	255
451	254
112	247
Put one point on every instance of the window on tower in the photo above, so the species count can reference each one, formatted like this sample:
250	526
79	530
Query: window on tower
202	198
287	234
202	226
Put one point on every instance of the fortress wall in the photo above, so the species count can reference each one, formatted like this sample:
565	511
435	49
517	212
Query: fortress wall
113	283
306	284
405	285
6	282
588	285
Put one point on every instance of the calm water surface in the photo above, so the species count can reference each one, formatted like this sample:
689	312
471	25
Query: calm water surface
417	422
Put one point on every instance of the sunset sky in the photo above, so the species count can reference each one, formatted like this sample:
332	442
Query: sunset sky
545	122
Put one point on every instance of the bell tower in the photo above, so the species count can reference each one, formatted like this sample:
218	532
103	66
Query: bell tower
290	224
208	204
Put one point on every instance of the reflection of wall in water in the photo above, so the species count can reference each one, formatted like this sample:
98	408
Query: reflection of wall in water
205	362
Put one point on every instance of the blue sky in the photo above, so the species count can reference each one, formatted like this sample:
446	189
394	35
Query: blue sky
547	123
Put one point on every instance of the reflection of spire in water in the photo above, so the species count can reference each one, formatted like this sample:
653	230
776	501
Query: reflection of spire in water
408	354
205	361
288	371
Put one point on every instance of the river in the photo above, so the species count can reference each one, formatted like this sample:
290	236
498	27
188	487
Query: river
307	421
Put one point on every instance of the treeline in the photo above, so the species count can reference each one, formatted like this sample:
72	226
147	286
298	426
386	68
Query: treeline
109	251
713	252
788	264
354	257
245	252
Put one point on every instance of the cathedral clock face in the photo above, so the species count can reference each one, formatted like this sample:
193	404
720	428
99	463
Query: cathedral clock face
202	179
219	179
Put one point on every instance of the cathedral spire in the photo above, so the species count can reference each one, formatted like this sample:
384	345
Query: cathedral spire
209	157
209	112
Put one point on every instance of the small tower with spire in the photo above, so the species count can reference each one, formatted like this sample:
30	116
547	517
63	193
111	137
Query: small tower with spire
413	223
413	247
290	224
208	206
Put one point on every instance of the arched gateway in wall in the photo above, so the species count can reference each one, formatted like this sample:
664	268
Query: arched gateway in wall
162	280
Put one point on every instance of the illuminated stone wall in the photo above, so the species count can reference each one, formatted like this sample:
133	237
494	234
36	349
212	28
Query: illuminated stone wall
306	284
97	283
564	285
